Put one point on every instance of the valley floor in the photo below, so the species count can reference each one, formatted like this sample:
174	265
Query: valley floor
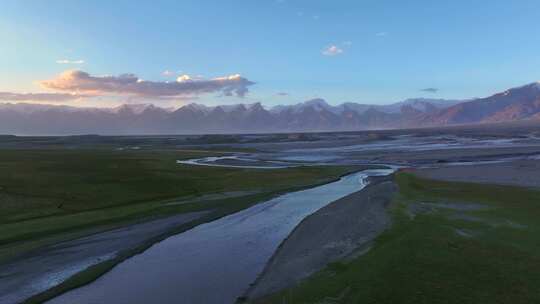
450	242
462	227
66	211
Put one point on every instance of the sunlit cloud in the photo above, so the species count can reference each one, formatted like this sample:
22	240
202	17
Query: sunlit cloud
75	81
332	50
169	73
67	61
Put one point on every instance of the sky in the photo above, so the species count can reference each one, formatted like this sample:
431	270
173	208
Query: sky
102	53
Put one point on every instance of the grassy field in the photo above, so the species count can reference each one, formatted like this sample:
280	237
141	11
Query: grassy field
449	243
50	195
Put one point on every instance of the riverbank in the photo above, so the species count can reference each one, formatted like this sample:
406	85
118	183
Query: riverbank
224	255
133	246
54	264
344	228
224	207
450	242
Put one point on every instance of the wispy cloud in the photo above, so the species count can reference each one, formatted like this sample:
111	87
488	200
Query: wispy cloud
332	50
75	81
381	34
430	90
48	97
282	94
168	73
67	61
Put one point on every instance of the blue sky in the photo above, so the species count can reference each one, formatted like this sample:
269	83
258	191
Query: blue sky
383	51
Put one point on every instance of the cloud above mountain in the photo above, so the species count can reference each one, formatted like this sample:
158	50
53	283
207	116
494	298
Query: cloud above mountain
430	90
75	81
40	97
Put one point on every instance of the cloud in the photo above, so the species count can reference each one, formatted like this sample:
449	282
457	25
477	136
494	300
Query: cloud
347	43
49	97
75	81
282	94
67	61
332	50
430	90
381	34
168	73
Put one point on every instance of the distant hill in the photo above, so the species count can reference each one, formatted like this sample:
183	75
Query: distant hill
521	103
511	105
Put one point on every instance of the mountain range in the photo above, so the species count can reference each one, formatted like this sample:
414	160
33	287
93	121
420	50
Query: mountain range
313	115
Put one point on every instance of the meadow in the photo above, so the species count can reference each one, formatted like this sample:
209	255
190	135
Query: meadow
50	195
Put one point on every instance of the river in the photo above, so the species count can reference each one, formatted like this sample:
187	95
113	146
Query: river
214	262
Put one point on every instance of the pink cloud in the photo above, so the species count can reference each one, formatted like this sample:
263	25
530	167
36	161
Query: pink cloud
75	81
332	50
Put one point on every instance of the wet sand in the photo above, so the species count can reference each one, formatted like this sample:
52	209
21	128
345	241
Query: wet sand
339	230
524	173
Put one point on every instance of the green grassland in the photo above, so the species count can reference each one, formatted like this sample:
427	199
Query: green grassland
439	254
51	195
